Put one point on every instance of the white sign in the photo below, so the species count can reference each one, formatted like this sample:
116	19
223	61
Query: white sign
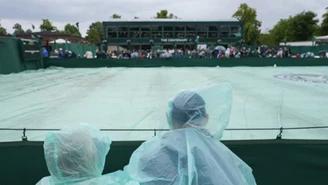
174	40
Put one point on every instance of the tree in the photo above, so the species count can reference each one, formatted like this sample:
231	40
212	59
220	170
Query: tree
72	30
18	29
95	32
172	16
266	39
282	32
28	31
3	30
324	24
93	36
251	25
303	26
115	16
47	26
163	14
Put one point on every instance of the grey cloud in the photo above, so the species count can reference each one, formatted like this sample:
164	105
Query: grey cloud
61	12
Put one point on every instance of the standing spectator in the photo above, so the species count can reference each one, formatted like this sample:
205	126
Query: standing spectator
227	53
279	53
286	52
249	52
97	53
45	53
61	53
243	52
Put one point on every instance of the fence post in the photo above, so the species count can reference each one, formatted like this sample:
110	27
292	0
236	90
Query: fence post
279	136
24	138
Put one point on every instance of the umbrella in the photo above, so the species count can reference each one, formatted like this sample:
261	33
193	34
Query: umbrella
220	48
60	41
323	51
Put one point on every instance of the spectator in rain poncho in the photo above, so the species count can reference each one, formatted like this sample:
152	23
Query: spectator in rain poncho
190	154
227	53
45	53
88	55
77	156
135	55
166	55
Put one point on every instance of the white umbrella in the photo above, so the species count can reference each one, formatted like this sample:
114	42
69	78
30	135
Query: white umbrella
59	41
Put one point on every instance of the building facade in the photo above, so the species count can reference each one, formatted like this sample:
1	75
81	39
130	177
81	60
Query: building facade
170	33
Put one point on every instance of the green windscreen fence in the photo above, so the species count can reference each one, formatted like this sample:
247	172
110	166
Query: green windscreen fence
305	49
17	55
184	62
79	49
11	56
274	162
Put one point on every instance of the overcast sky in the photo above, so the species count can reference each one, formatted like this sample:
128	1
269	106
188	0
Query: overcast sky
61	12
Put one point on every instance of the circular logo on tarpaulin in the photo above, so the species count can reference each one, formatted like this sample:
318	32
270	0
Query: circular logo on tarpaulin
314	78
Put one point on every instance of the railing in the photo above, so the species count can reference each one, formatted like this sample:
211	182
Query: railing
279	136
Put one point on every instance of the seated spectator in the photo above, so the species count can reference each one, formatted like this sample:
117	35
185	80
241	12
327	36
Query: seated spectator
69	54
66	54
220	54
74	55
56	52
286	53
76	156
280	53
103	54
249	52
190	153
113	56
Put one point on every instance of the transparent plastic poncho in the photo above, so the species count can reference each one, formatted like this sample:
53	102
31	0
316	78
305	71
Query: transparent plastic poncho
76	155
191	153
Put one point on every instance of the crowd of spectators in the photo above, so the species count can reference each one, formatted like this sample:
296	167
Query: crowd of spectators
60	53
230	52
